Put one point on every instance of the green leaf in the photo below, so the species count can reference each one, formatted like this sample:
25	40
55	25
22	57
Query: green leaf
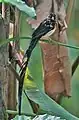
26	107
47	117
21	118
23	7
48	105
6	41
35	117
38	117
1	0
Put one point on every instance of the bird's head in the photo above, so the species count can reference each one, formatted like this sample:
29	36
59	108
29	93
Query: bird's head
52	16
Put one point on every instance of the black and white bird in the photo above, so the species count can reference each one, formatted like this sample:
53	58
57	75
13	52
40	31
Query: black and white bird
46	26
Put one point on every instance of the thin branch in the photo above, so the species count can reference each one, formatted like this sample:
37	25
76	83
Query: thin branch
52	42
74	66
43	40
69	10
10	66
3	10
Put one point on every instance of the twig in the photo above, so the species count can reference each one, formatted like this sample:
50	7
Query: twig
47	41
74	66
10	66
69	10
52	42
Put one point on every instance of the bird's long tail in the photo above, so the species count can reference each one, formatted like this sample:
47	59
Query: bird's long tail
22	75
23	70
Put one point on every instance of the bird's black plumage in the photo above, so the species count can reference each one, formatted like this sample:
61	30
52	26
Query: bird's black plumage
45	26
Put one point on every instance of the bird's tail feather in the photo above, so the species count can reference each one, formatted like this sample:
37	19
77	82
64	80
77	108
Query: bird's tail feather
22	75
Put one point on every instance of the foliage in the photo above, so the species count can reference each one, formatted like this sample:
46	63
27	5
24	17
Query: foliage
36	94
21	118
47	104
22	6
33	86
38	117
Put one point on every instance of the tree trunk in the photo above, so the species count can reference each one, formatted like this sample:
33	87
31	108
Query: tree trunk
3	72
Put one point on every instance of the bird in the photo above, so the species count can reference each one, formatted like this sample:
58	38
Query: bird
47	25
